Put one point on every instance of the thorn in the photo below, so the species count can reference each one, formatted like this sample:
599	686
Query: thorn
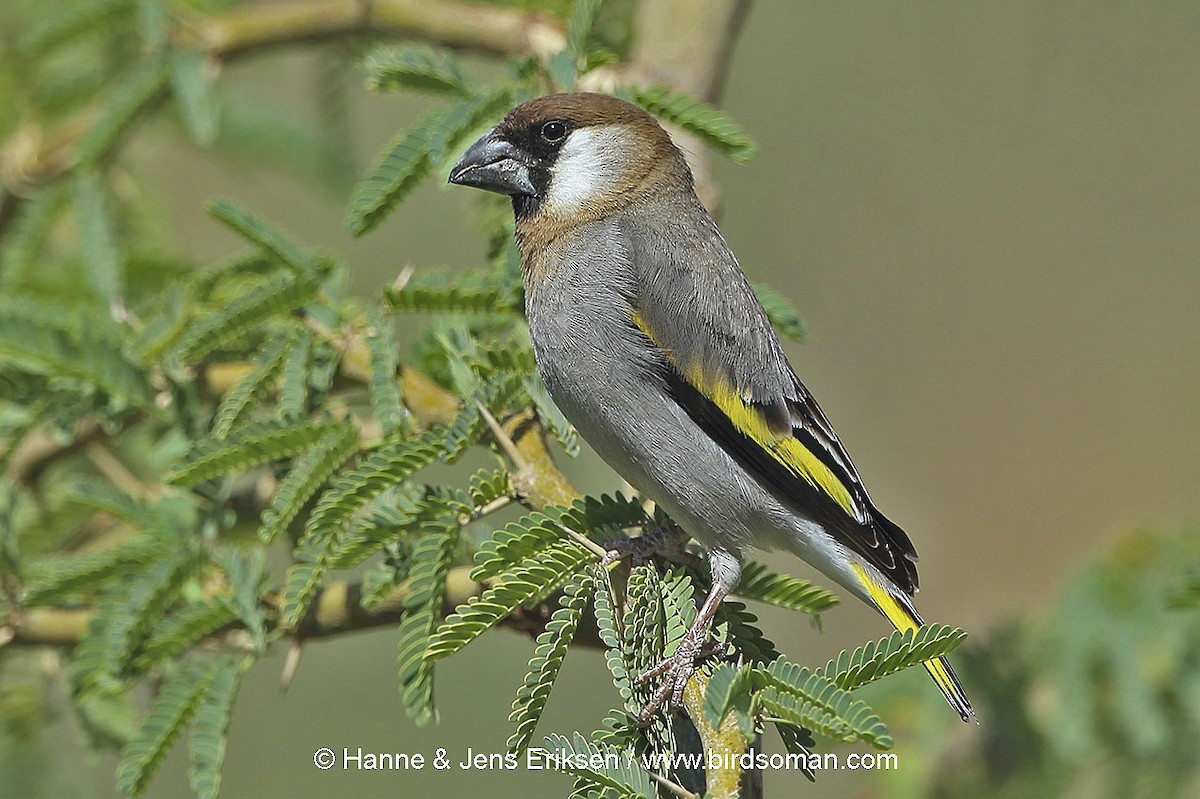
290	664
502	438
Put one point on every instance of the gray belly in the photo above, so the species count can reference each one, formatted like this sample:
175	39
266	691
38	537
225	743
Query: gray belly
608	384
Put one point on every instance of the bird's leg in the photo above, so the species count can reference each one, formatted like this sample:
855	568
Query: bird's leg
676	670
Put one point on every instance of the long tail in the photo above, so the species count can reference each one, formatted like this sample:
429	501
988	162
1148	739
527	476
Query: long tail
899	610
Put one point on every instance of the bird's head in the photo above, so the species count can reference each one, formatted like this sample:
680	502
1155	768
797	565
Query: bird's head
573	157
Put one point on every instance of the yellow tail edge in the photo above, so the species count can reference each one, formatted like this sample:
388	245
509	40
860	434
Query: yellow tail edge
903	616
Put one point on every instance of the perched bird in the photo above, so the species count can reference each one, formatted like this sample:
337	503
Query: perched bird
653	344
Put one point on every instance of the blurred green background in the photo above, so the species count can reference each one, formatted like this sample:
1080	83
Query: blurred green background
989	216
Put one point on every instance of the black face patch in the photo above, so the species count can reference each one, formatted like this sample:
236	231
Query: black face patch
541	140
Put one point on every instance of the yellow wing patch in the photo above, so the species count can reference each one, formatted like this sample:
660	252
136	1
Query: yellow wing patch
786	449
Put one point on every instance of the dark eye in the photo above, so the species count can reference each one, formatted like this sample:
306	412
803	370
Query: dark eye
554	131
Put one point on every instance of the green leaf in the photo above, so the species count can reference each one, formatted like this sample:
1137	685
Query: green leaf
124	619
268	238
487	486
740	628
798	741
58	25
562	70
245	572
612	770
261	442
401	166
192	79
464	119
783	590
496	394
889	655
388	466
417	69
728	689
429	564
579	28
532	579
54	579
29	231
547	659
170	712
643	627
153	24
451	299
384	386
601	517
679	608
305	479
803	697
251	389
67	346
134	94
611	631
293	389
781	312
211	731
698	118
181	631
102	496
102	259
280	293
514	543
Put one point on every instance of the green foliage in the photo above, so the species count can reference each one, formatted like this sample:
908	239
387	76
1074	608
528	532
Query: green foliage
529	581
781	312
53	579
385	387
889	655
252	389
80	354
728	690
606	768
266	237
273	296
401	167
192	81
428	567
416	68
101	256
1094	694
207	744
716	129
172	710
805	698
546	661
782	590
131	97
305	479
253	444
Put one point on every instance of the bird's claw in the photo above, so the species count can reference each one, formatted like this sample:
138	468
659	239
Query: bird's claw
675	671
659	539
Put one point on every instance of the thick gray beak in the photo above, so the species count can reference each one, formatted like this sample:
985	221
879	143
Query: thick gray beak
493	164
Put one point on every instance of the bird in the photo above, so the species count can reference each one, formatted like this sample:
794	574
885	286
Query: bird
651	341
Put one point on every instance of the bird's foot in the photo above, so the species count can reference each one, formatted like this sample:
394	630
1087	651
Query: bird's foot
663	539
676	671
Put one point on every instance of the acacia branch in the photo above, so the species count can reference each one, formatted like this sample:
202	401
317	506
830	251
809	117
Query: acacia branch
336	610
486	29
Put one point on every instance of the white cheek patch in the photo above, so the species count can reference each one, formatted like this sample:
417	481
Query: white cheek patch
589	165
